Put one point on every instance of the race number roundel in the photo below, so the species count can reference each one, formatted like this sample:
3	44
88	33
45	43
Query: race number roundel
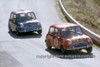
56	42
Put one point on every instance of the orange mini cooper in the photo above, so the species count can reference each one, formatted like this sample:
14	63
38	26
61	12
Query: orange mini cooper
68	36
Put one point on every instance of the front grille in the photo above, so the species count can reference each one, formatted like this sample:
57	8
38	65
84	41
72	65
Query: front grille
31	26
80	44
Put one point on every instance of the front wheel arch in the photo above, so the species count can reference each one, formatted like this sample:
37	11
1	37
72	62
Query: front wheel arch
47	44
39	31
62	49
17	32
89	50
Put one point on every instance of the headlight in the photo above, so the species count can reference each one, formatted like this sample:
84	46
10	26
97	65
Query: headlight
69	42
89	40
21	26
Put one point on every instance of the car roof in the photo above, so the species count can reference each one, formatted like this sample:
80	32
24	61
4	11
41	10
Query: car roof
21	11
65	25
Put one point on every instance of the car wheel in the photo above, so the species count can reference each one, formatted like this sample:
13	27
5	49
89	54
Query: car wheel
47	45
79	50
17	32
63	50
10	28
39	31
89	50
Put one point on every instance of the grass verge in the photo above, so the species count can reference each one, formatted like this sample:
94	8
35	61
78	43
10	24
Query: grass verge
86	12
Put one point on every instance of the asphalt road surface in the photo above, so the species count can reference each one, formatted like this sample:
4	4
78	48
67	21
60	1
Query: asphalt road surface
29	50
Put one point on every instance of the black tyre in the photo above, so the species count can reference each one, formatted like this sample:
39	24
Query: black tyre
39	31
63	50
89	50
79	50
47	45
17	32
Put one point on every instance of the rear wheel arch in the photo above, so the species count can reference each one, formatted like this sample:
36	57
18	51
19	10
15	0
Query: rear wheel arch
9	26
48	44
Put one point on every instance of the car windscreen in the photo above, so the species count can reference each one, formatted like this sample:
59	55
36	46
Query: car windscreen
71	31
22	17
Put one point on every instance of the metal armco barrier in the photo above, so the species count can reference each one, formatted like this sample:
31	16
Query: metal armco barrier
95	37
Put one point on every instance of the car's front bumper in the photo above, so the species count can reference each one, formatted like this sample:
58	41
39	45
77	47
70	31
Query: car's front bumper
29	30
79	46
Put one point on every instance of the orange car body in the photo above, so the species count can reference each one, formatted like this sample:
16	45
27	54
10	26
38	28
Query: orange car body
69	42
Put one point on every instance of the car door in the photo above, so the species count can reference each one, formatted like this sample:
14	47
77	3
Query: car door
50	36
14	22
10	21
56	38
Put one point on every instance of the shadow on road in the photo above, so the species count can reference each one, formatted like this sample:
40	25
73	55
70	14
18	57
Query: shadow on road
70	55
24	35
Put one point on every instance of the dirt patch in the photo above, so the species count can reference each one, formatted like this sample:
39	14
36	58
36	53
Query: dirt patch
87	12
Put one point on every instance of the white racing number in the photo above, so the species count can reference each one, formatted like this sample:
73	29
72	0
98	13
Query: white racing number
56	42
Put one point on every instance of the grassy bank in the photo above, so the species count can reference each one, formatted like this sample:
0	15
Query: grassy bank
87	12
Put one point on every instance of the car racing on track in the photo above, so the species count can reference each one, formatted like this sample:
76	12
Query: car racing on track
68	37
22	21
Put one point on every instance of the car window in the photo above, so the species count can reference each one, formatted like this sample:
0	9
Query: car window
71	31
14	16
33	15
51	31
65	32
29	14
11	16
78	30
23	17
